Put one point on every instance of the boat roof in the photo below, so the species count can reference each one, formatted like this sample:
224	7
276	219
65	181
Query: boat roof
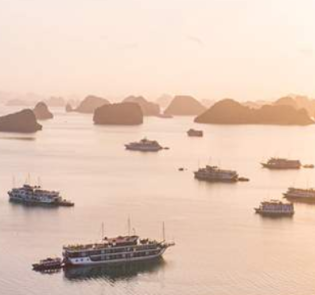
276	202
104	243
121	239
301	189
283	159
219	169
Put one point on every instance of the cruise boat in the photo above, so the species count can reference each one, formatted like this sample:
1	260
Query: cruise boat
281	163
35	195
144	145
121	249
298	194
275	208
215	174
195	133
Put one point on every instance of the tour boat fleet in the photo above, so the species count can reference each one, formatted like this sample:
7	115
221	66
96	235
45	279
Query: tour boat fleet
130	248
35	195
144	145
275	208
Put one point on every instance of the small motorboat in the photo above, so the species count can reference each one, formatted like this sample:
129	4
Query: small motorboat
65	203
48	264
244	179
195	133
308	166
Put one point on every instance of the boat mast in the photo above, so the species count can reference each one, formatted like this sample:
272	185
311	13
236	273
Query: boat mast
39	181
102	230
13	181
163	231
129	225
28	179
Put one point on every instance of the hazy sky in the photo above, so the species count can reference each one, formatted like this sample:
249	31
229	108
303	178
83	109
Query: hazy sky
246	49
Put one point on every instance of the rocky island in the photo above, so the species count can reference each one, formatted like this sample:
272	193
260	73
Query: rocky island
55	101
90	104
42	112
164	100
298	102
68	108
148	108
229	111
184	106
126	113
22	122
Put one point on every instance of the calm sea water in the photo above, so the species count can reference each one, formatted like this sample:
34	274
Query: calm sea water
222	247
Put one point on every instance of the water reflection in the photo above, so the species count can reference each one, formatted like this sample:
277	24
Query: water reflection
114	272
32	207
26	138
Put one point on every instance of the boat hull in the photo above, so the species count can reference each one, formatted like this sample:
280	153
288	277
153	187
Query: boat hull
207	179
40	204
300	199
88	261
273	214
273	167
46	268
151	149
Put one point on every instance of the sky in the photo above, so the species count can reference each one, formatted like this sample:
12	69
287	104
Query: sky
211	49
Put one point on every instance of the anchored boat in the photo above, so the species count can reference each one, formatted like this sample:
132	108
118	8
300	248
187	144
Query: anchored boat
144	145
275	208
281	163
121	249
195	133
48	264
300	195
215	174
35	195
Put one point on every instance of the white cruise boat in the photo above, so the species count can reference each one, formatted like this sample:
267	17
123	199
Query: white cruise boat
144	145
35	195
122	249
298	194
215	174
275	208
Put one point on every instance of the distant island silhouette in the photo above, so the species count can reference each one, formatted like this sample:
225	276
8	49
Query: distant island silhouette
18	102
69	108
90	104
148	108
183	105
298	102
229	111
42	112
164	100
23	122
126	113
55	101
